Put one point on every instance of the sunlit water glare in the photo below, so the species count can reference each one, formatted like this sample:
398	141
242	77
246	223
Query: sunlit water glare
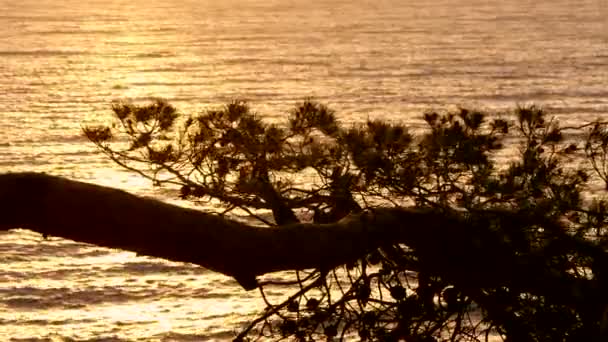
63	61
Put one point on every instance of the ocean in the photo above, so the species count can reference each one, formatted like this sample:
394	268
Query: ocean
62	63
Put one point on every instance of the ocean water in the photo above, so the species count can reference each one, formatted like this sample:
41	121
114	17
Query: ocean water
63	61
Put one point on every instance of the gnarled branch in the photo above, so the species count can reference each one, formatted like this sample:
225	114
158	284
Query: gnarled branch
445	243
113	218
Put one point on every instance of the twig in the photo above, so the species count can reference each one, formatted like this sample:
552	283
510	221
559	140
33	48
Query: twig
274	310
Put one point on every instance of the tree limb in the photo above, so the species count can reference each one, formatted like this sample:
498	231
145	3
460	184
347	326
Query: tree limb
113	218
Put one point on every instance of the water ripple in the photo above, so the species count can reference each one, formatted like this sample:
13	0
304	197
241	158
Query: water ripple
62	68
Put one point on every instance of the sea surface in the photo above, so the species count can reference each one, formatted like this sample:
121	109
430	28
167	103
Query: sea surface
62	62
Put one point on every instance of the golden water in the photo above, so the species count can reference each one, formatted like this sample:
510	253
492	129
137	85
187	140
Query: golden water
63	61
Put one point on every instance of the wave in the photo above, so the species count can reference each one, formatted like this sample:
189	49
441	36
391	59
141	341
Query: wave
36	303
66	298
540	95
224	335
45	322
149	267
75	32
167	84
49	138
17	53
158	54
67	338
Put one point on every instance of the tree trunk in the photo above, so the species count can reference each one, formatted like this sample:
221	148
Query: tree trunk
445	245
113	218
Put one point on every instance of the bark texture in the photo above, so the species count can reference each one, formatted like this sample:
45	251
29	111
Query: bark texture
113	218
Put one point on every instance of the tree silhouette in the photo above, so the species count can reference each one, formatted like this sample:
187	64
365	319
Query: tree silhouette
436	236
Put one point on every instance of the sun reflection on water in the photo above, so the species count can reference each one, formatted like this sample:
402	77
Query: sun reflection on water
63	62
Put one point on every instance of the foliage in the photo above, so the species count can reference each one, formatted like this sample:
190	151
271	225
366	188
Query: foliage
527	263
